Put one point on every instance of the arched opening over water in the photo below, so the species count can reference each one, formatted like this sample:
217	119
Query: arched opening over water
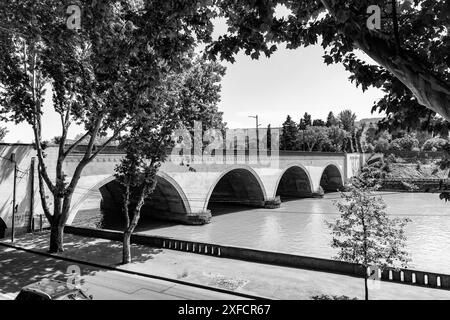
331	180
2	228
236	188
105	204
294	183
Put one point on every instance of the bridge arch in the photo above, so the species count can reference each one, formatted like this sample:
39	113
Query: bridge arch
331	178
172	193
294	182
238	184
168	197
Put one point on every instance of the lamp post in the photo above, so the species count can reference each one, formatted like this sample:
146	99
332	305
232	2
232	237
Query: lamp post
257	136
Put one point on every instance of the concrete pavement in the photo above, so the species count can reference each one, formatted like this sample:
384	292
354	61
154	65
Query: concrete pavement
19	268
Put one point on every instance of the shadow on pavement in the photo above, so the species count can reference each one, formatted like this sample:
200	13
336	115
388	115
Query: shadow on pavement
19	268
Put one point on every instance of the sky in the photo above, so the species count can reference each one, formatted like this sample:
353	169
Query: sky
290	82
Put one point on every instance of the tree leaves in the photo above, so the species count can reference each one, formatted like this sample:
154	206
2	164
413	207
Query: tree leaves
364	234
177	102
328	59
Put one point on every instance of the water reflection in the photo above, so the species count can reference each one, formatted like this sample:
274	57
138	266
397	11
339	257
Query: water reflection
271	232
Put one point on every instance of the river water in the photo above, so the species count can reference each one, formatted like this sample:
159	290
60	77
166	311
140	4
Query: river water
298	227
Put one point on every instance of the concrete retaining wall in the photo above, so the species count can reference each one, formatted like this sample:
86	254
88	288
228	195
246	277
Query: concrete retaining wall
404	276
423	185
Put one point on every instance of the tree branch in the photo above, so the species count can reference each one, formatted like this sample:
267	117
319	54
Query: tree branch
37	130
86	158
112	138
44	198
61	154
429	89
395	25
75	144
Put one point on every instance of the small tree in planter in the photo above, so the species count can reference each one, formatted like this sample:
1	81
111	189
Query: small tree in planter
365	235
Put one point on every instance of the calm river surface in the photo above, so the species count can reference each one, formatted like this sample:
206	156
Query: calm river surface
298	227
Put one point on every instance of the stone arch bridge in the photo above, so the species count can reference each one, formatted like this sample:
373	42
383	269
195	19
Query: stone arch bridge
183	192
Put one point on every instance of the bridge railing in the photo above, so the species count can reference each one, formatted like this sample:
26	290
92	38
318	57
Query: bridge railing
247	151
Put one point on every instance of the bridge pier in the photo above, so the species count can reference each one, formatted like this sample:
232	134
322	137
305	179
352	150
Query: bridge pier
197	218
273	203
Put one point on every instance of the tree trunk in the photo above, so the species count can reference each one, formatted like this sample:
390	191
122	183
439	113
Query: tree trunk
126	247
129	230
56	238
355	141
61	208
146	190
366	288
430	90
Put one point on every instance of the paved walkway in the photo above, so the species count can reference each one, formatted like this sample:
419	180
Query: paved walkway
19	268
240	276
102	284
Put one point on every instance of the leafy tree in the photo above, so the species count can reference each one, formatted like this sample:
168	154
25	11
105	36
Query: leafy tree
305	121
331	120
434	144
318	123
288	135
423	136
268	136
149	141
3	132
383	142
369	148
382	145
201	93
100	75
368	135
364	234
373	173
346	120
337	138
406	143
313	137
438	126
358	137
145	149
